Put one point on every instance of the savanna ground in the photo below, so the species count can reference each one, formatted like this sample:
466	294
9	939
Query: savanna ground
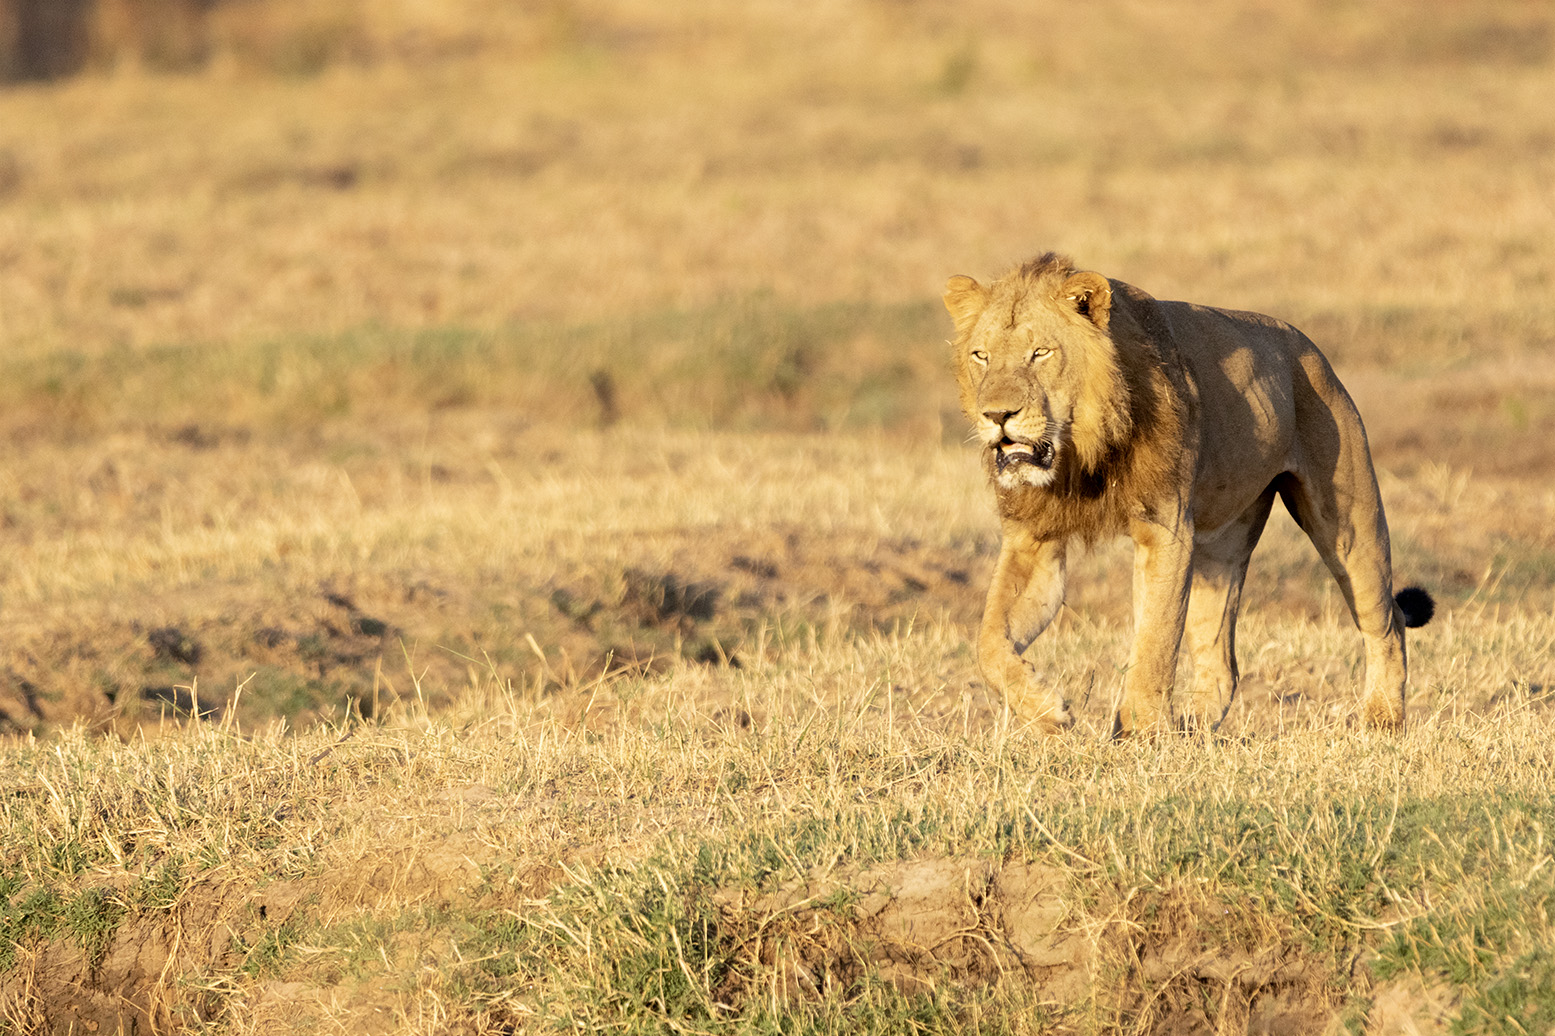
489	546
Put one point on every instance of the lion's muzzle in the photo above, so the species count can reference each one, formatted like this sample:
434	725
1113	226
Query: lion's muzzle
1040	454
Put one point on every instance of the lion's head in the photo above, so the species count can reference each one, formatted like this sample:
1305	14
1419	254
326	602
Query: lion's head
1040	378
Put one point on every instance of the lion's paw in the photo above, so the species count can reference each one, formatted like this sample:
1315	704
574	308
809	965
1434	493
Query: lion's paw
1130	722
1042	708
1385	713
1055	721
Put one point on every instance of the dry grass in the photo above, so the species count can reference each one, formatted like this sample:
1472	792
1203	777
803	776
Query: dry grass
524	860
524	432
1381	164
437	869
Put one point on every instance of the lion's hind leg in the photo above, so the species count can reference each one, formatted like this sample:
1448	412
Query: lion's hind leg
1351	534
1219	570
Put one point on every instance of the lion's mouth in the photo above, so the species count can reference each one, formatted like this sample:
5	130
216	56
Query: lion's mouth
1039	455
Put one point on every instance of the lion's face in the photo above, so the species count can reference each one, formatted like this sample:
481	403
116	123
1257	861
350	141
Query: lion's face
1022	387
1037	373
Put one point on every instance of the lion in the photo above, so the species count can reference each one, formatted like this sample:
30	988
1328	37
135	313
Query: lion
1102	410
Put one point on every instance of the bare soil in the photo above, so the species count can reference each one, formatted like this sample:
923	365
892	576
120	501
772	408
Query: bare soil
342	644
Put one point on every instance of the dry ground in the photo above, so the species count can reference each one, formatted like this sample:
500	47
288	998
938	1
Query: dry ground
523	435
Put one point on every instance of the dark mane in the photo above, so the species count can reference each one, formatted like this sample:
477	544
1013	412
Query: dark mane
1099	501
1048	264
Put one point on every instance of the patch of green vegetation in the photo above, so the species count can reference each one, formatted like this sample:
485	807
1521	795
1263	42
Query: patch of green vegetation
69	858
957	70
646	950
34	914
660	952
1331	870
272	947
1520	568
754	362
274	692
1490	929
161	887
89	917
646	956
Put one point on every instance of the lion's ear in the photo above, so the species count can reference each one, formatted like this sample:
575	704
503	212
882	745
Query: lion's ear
1091	296
965	299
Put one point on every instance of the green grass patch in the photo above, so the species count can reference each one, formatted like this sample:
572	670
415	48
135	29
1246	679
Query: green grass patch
1490	931
268	952
274	692
88	917
755	362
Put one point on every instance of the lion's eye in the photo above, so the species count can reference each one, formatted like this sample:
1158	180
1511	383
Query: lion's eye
1040	353
979	356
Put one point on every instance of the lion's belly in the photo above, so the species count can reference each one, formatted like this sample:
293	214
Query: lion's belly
1246	435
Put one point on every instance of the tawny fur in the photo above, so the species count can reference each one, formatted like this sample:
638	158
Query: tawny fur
1123	455
1177	424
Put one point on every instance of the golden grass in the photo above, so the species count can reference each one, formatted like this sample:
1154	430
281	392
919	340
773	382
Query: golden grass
648	707
1347	166
415	870
463	537
352	868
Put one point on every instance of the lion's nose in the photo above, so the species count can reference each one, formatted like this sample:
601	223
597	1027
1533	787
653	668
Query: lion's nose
998	417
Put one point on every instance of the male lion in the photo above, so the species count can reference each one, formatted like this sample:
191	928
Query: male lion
1102	410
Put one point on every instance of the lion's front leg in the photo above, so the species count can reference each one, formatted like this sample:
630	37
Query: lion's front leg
1027	590
1163	564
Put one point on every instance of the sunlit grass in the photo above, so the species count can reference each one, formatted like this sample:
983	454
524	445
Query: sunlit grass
645	804
524	433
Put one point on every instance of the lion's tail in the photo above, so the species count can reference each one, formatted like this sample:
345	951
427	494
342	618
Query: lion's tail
1416	604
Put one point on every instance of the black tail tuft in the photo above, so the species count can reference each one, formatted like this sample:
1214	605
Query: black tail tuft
1416	605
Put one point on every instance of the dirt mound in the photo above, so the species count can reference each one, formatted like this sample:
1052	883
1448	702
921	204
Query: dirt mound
211	954
914	924
182	658
1406	1006
136	979
1041	928
1143	961
701	598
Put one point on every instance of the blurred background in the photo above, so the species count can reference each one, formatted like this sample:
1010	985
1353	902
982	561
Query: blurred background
272	262
182	170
